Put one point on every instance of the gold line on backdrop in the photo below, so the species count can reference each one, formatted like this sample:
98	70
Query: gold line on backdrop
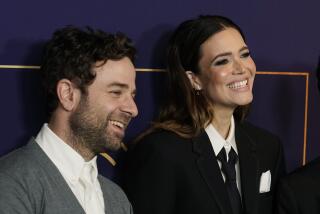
20	66
305	74
36	67
157	70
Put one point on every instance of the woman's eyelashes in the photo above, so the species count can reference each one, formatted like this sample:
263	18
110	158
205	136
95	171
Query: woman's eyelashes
224	61
219	62
245	54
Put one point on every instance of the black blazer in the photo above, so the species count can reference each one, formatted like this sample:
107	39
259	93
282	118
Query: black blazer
167	174
299	192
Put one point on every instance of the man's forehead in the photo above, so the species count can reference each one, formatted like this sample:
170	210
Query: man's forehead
123	65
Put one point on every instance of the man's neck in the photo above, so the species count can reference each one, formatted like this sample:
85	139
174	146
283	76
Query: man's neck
64	132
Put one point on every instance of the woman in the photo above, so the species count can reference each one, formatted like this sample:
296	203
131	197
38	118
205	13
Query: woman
201	157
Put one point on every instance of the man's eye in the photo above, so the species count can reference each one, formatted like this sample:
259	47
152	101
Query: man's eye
221	62
116	93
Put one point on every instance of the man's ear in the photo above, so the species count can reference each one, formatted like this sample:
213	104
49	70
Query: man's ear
68	94
194	80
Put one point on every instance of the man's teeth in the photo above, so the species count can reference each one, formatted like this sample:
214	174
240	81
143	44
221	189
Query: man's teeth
237	85
117	123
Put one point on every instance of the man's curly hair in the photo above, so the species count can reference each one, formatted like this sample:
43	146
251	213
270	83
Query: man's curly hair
71	54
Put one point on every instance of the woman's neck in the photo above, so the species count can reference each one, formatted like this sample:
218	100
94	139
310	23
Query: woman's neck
222	121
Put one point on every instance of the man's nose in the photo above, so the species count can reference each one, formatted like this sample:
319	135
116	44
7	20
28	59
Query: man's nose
130	107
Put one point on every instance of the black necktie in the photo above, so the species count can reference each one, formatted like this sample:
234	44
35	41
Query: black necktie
228	168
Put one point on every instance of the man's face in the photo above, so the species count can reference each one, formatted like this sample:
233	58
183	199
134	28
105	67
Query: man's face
104	113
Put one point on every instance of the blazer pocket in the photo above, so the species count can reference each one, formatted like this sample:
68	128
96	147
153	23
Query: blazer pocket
266	203
266	194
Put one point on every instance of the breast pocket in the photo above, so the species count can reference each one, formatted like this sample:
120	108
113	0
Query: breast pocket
266	203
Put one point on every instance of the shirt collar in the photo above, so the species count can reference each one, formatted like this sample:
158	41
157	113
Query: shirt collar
218	142
93	172
69	162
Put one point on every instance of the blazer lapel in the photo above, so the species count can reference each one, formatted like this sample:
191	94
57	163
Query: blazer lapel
107	206
210	171
57	180
249	166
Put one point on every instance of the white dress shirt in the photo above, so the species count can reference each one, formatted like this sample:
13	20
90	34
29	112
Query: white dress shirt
218	142
73	168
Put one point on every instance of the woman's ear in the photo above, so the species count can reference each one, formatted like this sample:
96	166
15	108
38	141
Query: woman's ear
194	80
68	94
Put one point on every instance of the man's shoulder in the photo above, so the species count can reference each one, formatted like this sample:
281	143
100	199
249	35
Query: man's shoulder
109	185
24	167
20	160
114	196
300	190
306	174
303	183
19	179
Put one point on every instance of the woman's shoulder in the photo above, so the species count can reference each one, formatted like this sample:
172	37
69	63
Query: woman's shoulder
159	146
255	130
160	139
267	144
262	137
161	136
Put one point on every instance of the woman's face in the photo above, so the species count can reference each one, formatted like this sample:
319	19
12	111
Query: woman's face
227	70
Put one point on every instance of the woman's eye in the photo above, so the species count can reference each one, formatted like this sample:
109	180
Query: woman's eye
245	55
221	62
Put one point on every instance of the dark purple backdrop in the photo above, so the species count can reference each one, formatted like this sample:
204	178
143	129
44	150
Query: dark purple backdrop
283	37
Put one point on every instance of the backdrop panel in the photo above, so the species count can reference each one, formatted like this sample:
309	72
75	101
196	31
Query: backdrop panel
283	37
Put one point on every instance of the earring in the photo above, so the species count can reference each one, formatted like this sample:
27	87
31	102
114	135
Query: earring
197	89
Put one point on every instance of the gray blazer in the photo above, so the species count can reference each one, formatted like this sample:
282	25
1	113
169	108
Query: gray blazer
31	183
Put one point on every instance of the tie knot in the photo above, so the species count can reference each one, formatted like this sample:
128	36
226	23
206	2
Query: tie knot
222	156
232	156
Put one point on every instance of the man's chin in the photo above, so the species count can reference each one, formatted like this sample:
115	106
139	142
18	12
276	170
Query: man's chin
113	140
114	145
109	145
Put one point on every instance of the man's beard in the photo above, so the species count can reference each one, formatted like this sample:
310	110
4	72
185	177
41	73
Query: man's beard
91	130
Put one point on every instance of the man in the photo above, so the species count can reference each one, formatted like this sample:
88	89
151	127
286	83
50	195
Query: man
299	192
89	81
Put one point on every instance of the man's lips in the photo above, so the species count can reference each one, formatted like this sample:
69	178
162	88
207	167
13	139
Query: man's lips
119	124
